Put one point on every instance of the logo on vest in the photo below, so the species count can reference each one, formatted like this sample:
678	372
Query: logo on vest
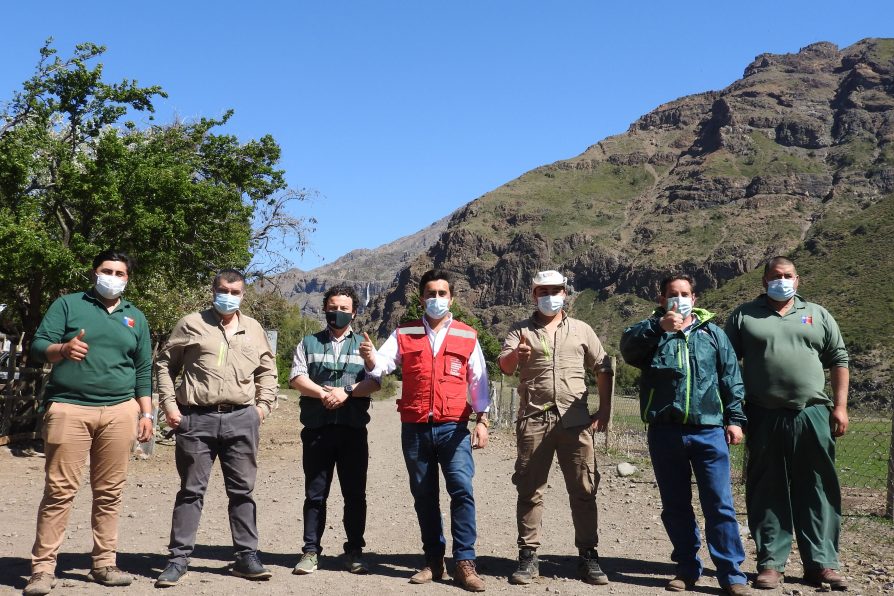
454	366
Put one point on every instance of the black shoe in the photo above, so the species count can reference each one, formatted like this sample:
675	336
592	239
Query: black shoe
528	567
171	576
588	568
248	565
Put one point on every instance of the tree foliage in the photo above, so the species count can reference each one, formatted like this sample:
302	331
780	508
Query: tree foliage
76	177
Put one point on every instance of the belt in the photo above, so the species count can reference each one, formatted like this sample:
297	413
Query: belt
222	408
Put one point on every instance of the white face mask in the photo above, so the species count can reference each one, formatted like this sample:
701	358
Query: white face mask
226	304
683	304
550	305
437	308
109	286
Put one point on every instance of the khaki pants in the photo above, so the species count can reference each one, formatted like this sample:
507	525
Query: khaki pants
74	435
538	439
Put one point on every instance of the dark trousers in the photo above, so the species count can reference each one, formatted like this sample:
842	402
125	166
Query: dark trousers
202	437
792	486
327	449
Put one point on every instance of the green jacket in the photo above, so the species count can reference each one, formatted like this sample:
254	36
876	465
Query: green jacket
689	378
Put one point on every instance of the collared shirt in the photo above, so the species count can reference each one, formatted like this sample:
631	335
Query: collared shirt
555	373
783	356
216	369
299	357
388	358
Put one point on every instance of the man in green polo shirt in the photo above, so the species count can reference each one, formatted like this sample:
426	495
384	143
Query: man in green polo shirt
328	370
785	344
98	400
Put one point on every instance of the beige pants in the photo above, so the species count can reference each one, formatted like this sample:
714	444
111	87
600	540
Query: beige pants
539	438
73	436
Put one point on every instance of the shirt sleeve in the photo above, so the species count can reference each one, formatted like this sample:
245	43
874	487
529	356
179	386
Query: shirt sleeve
734	333
834	353
168	365
387	357
51	330
511	341
299	362
265	375
479	391
143	361
596	358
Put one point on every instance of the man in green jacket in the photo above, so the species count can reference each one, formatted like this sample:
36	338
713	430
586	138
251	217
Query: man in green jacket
98	401
691	397
791	485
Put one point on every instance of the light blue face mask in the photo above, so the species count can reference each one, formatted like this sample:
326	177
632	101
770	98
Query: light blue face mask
226	304
683	303
781	289
551	304
437	308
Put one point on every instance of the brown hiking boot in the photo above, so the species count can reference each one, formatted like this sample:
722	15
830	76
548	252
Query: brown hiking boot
40	583
110	576
767	579
433	570
680	584
818	577
467	577
737	590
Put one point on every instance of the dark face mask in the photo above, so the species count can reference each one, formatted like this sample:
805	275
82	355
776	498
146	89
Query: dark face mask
338	319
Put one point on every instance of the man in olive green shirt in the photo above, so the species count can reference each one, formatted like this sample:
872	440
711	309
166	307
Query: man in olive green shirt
553	352
785	343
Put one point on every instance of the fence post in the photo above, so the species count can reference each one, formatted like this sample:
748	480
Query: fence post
611	406
889	507
512	405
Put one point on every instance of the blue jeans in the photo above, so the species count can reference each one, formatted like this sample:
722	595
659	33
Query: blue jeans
677	451
425	445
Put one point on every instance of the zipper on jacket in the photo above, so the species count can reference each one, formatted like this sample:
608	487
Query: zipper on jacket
688	379
431	400
648	405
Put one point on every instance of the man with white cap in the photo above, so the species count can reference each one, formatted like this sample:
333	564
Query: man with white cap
552	352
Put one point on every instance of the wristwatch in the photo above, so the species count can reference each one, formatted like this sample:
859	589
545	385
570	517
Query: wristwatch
148	415
483	420
349	389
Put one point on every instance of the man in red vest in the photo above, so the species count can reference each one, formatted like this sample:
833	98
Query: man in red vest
443	370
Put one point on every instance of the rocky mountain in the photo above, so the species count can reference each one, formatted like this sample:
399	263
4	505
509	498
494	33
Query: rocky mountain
369	271
794	158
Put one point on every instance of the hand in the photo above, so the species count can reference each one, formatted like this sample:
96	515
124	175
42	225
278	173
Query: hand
599	421
75	349
335	397
672	320
368	351
523	349
479	436
173	418
261	414
144	429
839	421
734	434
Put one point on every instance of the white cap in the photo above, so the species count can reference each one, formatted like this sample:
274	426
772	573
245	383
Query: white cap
550	278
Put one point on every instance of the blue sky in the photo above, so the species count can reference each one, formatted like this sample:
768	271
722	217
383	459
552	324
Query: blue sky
398	113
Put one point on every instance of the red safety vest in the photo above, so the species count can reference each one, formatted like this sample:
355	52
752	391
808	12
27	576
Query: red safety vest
435	385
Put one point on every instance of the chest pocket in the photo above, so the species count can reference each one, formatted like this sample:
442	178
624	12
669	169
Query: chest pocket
455	366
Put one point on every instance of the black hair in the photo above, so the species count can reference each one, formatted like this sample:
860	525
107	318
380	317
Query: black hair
111	254
342	290
674	277
433	275
777	260
227	275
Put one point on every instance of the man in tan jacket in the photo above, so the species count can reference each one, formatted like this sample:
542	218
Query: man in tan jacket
553	352
227	387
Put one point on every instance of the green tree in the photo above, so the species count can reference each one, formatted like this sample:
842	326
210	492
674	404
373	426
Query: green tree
77	177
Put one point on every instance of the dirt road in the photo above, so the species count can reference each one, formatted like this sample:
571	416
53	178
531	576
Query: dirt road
633	546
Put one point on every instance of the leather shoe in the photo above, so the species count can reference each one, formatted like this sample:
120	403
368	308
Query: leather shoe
680	584
467	576
737	590
818	577
767	579
433	570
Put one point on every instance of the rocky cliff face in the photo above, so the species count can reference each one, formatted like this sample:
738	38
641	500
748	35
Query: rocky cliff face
711	184
370	271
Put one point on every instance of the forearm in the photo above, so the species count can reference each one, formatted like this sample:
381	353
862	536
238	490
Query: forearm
604	387
365	388
840	378
53	353
145	404
509	362
307	387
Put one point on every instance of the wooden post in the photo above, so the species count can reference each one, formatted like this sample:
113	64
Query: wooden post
611	406
889	508
512	395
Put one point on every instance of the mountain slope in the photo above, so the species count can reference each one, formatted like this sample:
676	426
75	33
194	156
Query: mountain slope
790	159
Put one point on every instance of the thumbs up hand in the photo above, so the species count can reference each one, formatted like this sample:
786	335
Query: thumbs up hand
368	351
523	349
76	348
672	320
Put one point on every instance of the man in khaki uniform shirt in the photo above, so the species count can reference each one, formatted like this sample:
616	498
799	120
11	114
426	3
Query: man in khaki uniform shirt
227	387
553	352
